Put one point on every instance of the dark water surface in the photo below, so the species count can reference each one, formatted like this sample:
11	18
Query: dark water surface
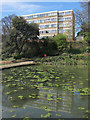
42	91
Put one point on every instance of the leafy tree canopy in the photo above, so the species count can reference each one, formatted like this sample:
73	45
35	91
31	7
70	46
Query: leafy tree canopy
31	31
61	41
19	35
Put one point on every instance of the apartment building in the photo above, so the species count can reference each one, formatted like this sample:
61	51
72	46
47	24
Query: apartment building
54	22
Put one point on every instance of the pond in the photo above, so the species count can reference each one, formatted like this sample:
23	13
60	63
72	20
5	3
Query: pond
45	91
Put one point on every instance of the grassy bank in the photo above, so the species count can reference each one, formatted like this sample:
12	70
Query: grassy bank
63	59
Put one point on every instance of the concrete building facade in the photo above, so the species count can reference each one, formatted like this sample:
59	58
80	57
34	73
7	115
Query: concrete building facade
54	22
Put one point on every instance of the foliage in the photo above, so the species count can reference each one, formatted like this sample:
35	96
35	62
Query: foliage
32	49
19	36
87	37
48	46
65	59
60	39
30	31
74	51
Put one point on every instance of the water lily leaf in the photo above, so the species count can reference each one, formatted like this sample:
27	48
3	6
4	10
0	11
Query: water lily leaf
15	90
14	84
7	93
29	96
81	108
14	116
21	97
73	77
47	109
42	116
10	111
21	88
15	106
58	115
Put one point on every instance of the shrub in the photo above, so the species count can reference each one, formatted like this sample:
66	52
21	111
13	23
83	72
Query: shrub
87	49
60	39
74	51
48	46
65	54
17	57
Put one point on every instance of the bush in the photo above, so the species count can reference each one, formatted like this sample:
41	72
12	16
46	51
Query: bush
60	39
74	51
87	49
48	46
65	54
17	57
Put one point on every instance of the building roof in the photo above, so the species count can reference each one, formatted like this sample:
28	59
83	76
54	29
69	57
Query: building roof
46	12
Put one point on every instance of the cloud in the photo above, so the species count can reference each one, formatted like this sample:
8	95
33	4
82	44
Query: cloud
19	8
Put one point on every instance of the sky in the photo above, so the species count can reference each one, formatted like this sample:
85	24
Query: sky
24	8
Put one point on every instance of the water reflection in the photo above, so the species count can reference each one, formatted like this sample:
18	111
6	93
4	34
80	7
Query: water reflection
53	99
58	93
13	99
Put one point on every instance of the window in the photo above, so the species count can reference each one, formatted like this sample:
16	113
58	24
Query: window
61	19
53	19
35	21
53	31
68	30
47	31
41	32
29	21
53	25
67	13
60	25
25	17
47	20
46	26
32	21
68	19
54	13
62	31
62	13
28	17
40	15
40	26
40	21
34	16
50	14
46	14
65	24
65	19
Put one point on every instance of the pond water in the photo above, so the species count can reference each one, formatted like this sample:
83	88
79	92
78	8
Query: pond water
45	91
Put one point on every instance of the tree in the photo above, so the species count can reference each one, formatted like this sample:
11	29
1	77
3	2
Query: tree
31	31
19	35
82	20
48	46
81	16
6	25
60	39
